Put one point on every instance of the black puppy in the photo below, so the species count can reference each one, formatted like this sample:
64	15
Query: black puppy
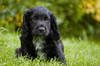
40	35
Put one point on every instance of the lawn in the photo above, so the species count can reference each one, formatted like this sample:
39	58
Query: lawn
77	52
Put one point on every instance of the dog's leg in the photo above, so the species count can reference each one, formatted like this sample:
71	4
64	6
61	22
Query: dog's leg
18	52
59	53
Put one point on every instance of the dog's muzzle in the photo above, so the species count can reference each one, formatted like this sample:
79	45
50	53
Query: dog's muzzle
41	30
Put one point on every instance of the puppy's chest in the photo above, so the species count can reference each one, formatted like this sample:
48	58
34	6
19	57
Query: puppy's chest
39	45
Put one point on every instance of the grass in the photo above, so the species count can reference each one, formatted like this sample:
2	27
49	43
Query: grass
77	52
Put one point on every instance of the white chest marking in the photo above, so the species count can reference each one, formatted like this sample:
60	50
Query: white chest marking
38	43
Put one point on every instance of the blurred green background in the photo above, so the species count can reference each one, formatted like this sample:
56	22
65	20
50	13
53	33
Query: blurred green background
75	18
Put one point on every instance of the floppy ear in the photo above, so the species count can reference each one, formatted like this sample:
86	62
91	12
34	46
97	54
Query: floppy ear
54	28
26	19
25	24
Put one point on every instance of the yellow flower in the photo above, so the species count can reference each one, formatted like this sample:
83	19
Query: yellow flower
97	17
10	18
17	16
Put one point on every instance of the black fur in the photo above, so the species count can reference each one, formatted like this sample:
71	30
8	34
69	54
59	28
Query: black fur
40	22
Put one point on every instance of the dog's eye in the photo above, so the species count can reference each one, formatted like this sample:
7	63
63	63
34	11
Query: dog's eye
46	19
34	19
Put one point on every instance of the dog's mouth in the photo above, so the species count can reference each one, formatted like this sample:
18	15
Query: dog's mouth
41	34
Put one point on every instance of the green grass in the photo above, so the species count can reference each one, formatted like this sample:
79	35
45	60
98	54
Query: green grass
77	52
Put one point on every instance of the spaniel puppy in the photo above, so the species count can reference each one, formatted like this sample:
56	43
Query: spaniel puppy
40	36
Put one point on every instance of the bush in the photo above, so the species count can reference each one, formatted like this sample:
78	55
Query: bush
75	18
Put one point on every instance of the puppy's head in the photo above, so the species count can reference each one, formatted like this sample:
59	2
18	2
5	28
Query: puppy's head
40	21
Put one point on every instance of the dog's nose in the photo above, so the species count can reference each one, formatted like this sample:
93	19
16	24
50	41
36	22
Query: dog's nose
42	29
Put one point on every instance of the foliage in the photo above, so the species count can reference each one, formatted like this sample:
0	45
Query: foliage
77	52
91	18
75	18
93	7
